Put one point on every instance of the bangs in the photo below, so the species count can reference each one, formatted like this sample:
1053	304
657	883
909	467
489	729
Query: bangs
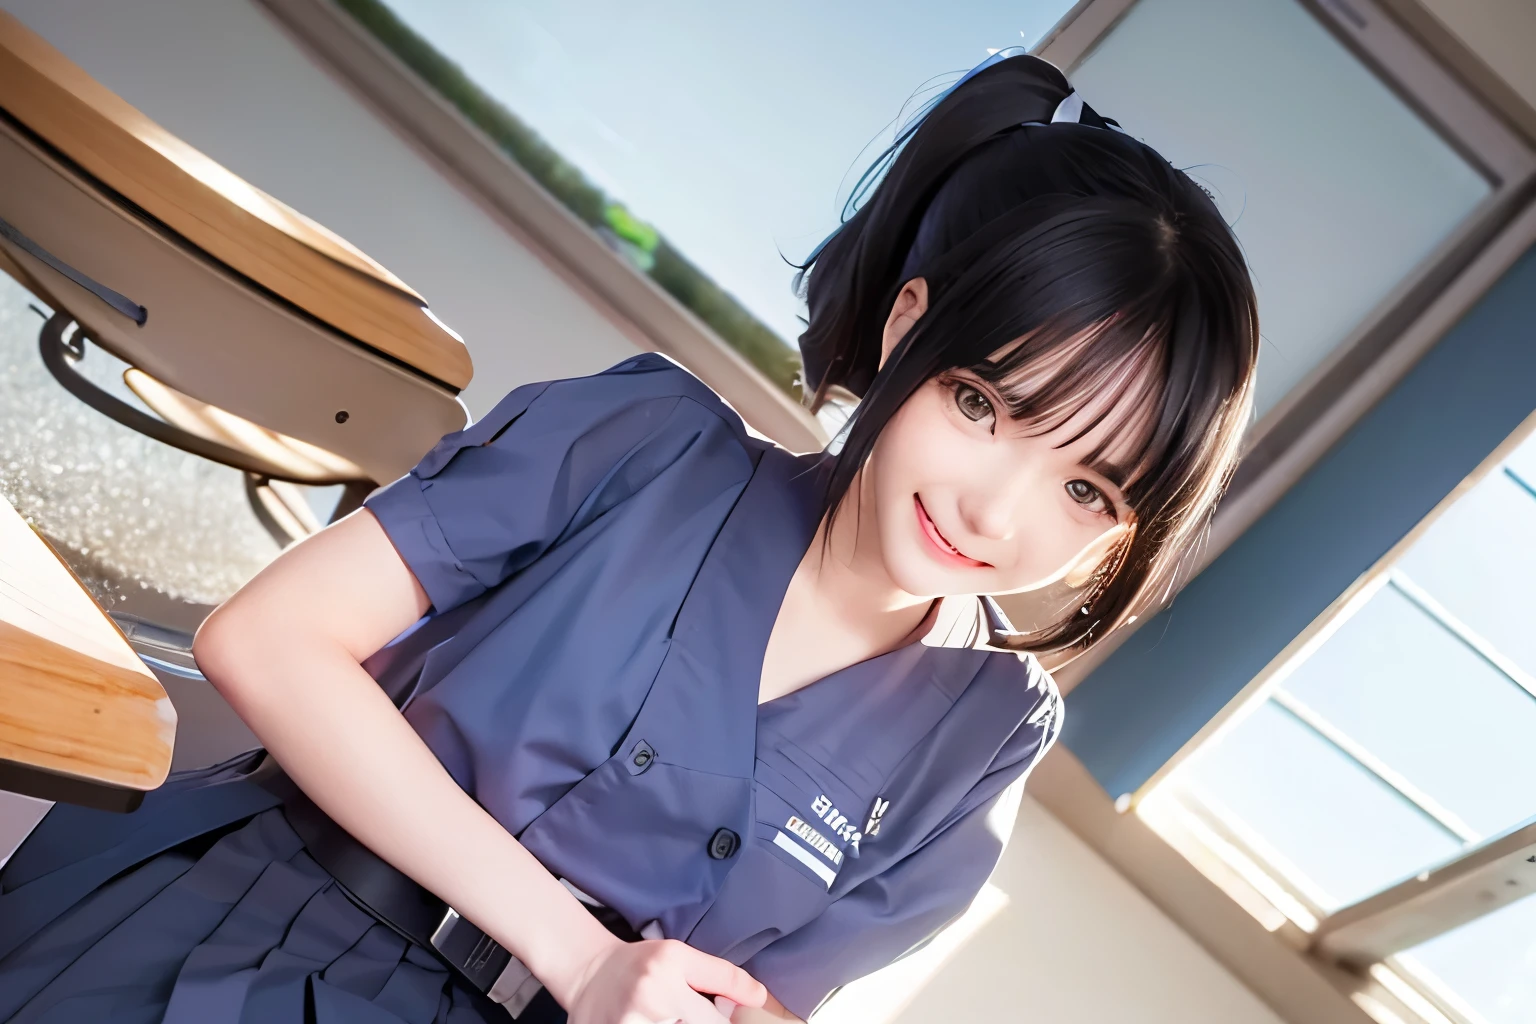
1111	375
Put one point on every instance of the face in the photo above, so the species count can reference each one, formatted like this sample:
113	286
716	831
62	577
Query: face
962	499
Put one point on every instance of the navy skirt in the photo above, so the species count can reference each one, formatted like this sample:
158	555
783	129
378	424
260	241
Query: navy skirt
203	907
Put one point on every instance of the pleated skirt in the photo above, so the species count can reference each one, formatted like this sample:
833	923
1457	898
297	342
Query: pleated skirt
203	907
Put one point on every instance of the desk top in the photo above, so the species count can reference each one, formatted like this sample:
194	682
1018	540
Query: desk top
239	225
78	710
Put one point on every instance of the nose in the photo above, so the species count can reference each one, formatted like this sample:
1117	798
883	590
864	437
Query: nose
992	506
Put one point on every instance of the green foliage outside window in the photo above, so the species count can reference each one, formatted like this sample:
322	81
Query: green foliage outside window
636	240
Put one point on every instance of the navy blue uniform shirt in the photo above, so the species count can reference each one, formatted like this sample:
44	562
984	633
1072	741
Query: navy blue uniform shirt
606	557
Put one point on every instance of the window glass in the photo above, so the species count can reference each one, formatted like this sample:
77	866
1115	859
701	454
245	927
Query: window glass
1490	964
1336	188
1404	735
720	136
1410	691
1335	829
1481	553
149	529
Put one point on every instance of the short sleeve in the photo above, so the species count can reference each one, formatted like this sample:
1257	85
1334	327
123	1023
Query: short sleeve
890	915
488	500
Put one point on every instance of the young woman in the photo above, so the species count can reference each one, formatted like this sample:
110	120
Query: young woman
663	682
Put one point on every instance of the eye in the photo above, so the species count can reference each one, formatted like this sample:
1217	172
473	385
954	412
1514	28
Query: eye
1090	497
972	402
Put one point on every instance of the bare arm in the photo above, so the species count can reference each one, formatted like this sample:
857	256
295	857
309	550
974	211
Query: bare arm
285	652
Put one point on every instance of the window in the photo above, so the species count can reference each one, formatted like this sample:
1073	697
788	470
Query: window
1378	794
1338	190
736	130
152	531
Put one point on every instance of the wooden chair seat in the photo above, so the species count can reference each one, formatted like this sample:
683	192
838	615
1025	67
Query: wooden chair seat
217	212
249	308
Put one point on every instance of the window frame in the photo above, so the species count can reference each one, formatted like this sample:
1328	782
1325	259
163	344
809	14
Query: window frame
1331	618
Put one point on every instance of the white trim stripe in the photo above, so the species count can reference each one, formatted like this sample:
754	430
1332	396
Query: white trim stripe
815	840
804	856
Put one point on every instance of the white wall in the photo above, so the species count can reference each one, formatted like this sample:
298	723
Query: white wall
1074	944
225	78
1056	937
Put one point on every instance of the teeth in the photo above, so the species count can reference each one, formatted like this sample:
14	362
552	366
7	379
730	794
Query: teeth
942	539
939	536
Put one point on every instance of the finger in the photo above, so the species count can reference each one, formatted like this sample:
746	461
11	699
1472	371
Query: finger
725	1006
717	977
700	1010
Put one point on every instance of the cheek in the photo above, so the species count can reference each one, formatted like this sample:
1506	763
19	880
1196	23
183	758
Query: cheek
919	449
1058	544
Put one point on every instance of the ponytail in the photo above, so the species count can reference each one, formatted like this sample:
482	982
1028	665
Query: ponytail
852	278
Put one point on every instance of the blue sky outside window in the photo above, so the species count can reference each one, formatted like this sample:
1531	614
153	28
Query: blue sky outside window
735	129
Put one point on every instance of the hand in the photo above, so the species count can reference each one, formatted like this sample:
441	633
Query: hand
658	982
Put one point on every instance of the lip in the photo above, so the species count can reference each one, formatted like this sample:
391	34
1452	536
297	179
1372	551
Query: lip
938	545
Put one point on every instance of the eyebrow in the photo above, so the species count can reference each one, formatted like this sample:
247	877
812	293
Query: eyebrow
1116	473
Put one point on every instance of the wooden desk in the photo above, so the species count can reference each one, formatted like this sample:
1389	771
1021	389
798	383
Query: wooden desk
82	720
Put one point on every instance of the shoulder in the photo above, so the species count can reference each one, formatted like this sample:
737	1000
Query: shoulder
1050	707
648	379
1040	708
1008	689
645	400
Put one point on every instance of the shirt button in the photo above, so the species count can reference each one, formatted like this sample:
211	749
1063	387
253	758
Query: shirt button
723	843
641	757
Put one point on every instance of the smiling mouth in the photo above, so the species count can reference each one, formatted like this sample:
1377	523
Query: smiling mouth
942	548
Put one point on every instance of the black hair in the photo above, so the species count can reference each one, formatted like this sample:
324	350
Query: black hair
1035	236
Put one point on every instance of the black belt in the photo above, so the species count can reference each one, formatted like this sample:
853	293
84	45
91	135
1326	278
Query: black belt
398	902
